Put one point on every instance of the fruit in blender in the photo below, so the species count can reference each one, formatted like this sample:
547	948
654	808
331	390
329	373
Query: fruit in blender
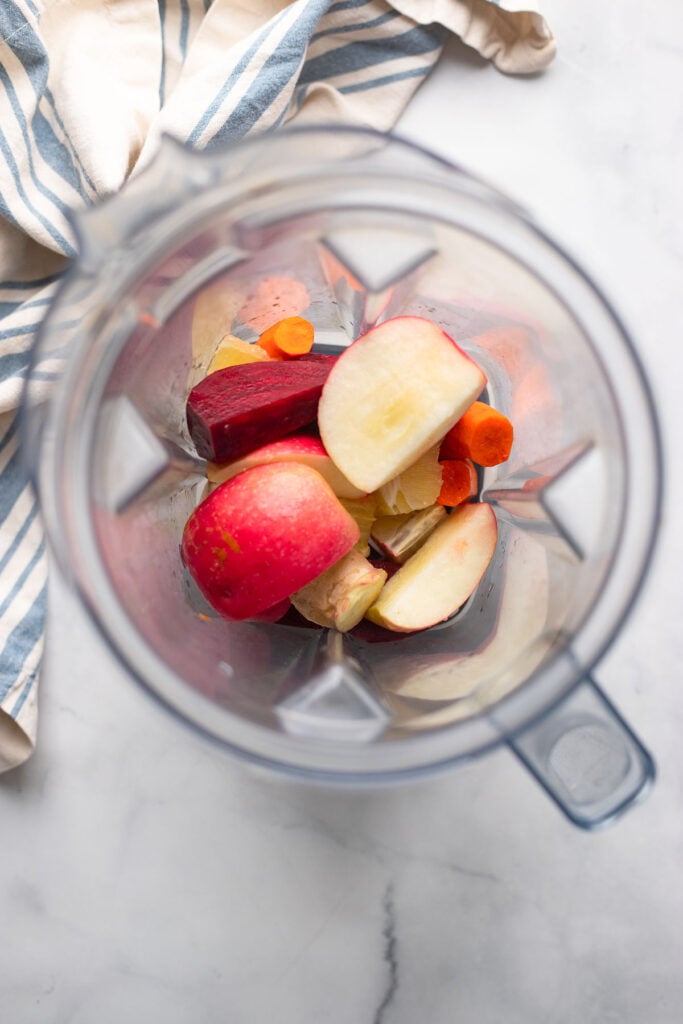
442	574
251	544
240	408
291	514
303	448
340	596
391	396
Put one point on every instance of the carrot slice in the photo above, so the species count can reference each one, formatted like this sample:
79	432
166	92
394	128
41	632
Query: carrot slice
292	336
482	434
458	482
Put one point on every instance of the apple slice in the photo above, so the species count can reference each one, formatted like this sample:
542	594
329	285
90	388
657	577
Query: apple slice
263	535
416	487
401	536
363	511
232	351
302	448
235	410
340	596
393	394
442	574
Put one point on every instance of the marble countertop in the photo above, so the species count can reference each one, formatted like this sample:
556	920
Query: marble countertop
145	878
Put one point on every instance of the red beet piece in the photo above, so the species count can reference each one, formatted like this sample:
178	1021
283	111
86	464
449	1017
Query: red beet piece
235	410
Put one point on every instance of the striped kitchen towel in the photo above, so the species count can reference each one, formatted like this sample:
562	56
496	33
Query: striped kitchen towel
86	90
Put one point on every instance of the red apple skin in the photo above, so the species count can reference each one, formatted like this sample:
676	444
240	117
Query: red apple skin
303	448
263	535
275	613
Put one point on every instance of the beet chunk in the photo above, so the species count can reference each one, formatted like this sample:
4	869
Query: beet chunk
235	410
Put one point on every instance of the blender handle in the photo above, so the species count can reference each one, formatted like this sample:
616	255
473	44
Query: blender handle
586	757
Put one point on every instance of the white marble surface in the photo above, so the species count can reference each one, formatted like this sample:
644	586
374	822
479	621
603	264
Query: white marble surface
147	879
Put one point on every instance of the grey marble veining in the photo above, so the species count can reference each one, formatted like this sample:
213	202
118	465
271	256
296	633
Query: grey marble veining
146	878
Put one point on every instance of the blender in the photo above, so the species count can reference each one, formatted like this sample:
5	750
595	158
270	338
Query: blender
349	228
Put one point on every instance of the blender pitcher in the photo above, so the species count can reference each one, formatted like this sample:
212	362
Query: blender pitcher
348	228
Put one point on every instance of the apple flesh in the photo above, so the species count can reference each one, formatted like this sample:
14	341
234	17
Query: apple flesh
302	448
442	574
340	596
391	396
251	544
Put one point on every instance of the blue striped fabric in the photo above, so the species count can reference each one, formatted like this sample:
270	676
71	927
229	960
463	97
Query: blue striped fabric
205	71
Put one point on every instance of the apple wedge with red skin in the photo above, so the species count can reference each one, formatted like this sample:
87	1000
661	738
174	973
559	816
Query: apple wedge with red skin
239	408
442	574
391	396
302	448
262	536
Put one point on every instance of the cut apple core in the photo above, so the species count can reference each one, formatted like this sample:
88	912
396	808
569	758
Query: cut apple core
441	575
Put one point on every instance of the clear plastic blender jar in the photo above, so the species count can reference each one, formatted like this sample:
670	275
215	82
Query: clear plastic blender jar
353	228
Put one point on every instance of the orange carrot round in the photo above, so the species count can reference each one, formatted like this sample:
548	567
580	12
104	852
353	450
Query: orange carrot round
290	337
458	482
482	434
